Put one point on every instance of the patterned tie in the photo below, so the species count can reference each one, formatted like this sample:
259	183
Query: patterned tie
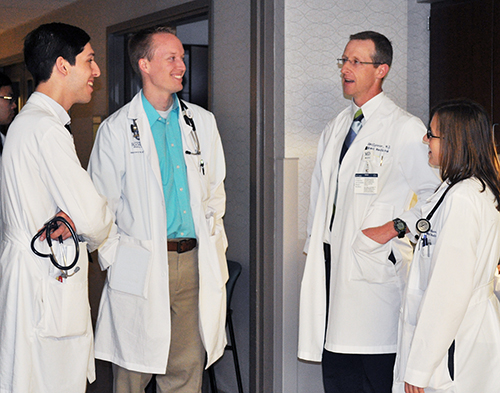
353	131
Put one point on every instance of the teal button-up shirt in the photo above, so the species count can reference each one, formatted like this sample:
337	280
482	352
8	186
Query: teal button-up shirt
168	142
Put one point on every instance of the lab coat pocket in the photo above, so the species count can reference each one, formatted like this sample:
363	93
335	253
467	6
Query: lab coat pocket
424	266
370	260
66	309
132	268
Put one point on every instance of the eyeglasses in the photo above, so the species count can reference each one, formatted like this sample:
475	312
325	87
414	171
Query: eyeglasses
430	135
11	99
354	63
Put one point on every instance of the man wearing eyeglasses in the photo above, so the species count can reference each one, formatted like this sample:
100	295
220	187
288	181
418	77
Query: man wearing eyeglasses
370	162
160	163
7	106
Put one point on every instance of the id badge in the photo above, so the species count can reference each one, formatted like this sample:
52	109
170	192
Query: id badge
366	183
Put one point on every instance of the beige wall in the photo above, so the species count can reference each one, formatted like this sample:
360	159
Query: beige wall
94	16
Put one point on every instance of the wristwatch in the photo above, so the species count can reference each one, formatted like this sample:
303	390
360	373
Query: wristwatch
400	227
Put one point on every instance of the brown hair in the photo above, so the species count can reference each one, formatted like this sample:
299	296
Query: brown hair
383	47
467	144
140	45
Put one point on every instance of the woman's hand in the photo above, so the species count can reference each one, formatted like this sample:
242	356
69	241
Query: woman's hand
413	389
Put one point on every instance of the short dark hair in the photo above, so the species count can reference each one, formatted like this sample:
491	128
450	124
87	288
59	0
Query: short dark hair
47	42
4	80
383	47
140	44
467	144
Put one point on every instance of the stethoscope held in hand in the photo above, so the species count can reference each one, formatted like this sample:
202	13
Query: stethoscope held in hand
49	227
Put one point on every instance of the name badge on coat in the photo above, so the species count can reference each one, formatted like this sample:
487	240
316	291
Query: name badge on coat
366	183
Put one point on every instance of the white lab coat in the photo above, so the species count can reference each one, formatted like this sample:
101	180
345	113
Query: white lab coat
46	342
365	287
133	329
449	297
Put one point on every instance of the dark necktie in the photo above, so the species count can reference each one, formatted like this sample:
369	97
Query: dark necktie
353	131
68	128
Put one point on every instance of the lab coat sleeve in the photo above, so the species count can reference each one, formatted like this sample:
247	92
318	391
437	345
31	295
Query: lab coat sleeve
413	162
315	184
217	199
106	168
217	176
72	188
449	289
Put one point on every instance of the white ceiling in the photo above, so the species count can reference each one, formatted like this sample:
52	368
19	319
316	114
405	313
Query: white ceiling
17	12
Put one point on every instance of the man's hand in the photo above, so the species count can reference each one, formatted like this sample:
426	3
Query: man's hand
381	234
413	389
63	230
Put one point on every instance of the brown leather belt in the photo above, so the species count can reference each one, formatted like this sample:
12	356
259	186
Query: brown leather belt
181	245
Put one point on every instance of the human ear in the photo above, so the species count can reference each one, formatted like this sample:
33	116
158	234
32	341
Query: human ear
143	65
382	70
62	65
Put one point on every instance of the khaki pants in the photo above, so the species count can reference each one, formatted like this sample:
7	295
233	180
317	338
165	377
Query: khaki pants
187	354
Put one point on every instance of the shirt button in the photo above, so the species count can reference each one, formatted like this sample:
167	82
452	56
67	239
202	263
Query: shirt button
182	233
172	145
178	166
181	189
184	212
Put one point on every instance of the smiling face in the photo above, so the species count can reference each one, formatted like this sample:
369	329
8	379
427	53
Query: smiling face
7	107
362	82
82	75
434	143
162	74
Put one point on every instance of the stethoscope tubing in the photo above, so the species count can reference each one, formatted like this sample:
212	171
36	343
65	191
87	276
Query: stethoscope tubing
48	228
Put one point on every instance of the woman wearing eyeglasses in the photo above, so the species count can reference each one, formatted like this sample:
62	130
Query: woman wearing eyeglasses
449	329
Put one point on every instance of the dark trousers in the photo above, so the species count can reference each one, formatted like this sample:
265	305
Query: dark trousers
357	373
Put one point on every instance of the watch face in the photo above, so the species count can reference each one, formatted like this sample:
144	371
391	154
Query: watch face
399	225
423	225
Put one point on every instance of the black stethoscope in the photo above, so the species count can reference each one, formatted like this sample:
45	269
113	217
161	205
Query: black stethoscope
49	227
424	224
188	118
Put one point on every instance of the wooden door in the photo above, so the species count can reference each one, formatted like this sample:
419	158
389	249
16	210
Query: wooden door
461	42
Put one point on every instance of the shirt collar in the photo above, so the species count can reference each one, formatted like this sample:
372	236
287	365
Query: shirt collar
152	113
368	107
61	113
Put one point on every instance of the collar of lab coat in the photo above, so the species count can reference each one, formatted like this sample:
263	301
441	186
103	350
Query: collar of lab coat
58	110
369	107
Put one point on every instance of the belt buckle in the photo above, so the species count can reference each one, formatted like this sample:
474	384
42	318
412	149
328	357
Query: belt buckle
182	246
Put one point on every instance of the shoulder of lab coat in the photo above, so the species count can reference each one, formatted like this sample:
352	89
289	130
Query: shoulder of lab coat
412	156
68	183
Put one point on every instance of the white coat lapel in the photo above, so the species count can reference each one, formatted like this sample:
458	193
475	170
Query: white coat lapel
137	112
333	145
